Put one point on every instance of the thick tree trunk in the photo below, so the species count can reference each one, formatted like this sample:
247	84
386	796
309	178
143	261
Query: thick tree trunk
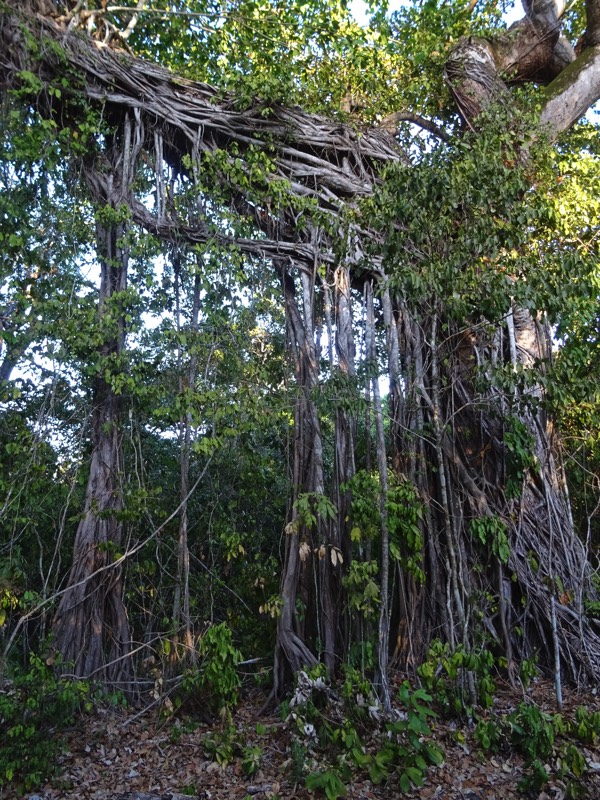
467	472
292	653
90	627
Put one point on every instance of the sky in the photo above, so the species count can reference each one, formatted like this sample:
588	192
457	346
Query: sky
360	13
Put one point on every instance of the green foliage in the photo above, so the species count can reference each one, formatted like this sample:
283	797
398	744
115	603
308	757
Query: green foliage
220	745
362	590
364	515
468	244
223	746
586	726
491	533
549	743
214	683
404	512
532	731
357	694
491	733
251	759
338	738
459	205
329	781
9	600
312	506
527	671
35	709
520	457
421	36
457	679
363	654
220	660
412	753
298	753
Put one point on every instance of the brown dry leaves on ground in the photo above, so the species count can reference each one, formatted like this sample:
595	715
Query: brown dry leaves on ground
111	757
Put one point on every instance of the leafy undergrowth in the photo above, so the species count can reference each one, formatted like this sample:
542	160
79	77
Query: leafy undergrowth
326	743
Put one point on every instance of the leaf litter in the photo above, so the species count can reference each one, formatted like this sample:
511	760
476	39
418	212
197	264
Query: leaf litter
111	756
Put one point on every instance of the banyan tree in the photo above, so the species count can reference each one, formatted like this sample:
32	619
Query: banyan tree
380	257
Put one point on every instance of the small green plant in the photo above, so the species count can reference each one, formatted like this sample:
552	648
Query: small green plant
533	734
548	742
219	745
298	755
251	759
532	731
34	709
458	679
214	683
357	694
527	671
413	753
491	734
328	781
535	778
326	734
586	726
284	710
572	761
220	660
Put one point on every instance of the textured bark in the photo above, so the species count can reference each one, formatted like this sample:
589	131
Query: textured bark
323	161
90	627
383	646
479	70
292	653
463	432
345	441
572	93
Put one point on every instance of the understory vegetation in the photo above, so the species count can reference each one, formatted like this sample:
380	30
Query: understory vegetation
331	734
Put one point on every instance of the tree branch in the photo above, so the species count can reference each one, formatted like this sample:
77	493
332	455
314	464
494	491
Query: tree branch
479	70
391	122
570	96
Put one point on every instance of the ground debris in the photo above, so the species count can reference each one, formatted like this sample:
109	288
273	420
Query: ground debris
109	757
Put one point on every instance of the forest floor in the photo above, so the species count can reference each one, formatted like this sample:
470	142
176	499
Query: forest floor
118	753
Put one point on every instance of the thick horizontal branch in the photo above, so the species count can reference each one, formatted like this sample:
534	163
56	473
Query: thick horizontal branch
571	95
479	70
328	164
